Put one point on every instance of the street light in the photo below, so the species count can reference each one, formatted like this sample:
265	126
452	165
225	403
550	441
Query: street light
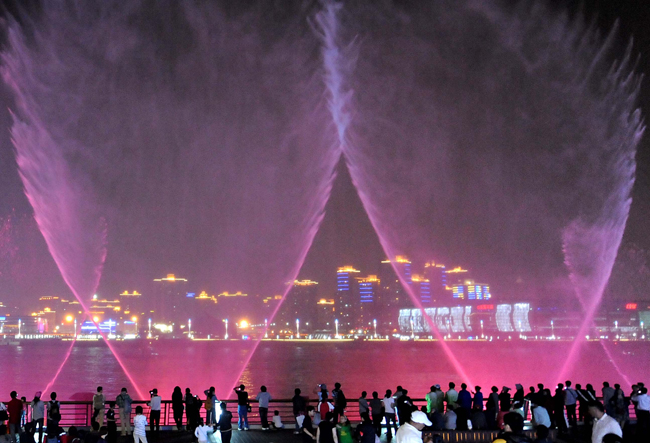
226	336
336	325
149	333
374	323
298	327
266	328
189	328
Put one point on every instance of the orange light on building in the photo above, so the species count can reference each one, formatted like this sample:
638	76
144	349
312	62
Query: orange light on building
485	307
243	324
95	319
134	318
69	318
631	306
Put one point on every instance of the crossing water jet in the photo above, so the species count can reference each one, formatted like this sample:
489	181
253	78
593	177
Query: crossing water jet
494	138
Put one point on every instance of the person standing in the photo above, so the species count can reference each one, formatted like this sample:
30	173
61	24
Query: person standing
15	411
364	408
465	399
621	412
53	412
492	408
210	406
242	407
38	415
340	402
431	398
299	407
477	401
225	423
377	409
98	405
111	425
411	431
389	413
642	402
608	394
558	410
139	425
404	406
177	407
308	434
585	397
570	403
263	397
154	413
326	432
190	410
603	423
452	395
124	404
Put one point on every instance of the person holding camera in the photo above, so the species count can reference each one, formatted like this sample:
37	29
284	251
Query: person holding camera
242	407
154	414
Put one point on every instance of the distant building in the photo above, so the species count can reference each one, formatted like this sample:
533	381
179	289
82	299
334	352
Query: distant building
469	290
168	300
456	276
422	288
326	314
368	307
436	273
392	295
300	304
347	297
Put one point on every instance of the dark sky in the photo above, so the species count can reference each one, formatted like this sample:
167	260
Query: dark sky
346	235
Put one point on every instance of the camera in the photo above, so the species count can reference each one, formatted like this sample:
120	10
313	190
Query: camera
153	392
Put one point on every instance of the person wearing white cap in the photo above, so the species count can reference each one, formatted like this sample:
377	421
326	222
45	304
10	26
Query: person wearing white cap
411	431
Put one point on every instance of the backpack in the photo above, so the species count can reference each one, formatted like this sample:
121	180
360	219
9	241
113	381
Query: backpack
208	404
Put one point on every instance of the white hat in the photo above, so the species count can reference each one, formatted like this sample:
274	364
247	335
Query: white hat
420	417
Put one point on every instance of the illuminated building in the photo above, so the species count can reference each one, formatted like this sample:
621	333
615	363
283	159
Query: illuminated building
469	290
326	313
422	287
457	275
436	273
168	300
132	302
392	295
346	294
368	306
300	303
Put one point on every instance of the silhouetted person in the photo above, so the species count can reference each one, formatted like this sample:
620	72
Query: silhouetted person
111	424
123	402
403	404
491	408
177	407
242	407
479	422
225	423
299	407
558	410
38	415
513	428
340	402
570	403
377	409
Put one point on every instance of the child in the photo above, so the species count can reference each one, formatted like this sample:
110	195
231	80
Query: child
201	431
277	421
139	424
23	418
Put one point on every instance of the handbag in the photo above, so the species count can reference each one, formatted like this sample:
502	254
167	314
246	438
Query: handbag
3	415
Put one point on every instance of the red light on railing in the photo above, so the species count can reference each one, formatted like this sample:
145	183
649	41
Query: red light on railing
485	307
630	306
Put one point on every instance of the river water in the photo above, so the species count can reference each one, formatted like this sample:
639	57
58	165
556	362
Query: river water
282	366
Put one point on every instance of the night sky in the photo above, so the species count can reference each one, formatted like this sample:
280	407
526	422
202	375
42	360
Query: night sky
346	235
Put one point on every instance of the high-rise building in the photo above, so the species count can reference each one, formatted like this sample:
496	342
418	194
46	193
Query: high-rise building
346	297
392	295
422	287
368	307
168	301
436	273
300	304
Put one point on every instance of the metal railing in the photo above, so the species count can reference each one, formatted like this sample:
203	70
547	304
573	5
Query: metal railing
80	413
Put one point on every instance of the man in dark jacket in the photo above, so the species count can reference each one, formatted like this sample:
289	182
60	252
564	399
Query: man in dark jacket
340	402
